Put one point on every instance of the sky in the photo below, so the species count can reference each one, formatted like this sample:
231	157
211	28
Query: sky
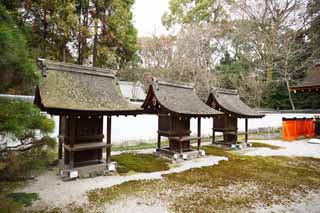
147	16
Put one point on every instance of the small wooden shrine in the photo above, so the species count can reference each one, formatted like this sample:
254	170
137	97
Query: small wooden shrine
311	84
229	102
81	96
175	104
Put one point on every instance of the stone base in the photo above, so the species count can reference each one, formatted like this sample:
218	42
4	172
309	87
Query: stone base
180	156
94	170
237	146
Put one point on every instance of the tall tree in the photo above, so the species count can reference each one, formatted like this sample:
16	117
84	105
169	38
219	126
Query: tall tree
17	71
314	30
98	32
195	12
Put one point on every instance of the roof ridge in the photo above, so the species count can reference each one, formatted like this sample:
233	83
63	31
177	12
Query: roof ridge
226	91
46	65
178	84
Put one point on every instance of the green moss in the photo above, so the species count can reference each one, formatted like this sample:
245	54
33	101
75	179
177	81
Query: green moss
259	145
217	151
239	184
138	146
140	162
136	188
23	198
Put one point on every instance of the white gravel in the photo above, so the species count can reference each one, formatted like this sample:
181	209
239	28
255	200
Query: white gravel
299	148
136	206
56	193
53	192
309	204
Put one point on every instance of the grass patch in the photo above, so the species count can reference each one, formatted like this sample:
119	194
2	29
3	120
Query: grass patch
259	145
140	163
28	163
138	146
239	184
23	198
219	151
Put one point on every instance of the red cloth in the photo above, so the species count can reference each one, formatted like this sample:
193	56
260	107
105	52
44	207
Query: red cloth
292	129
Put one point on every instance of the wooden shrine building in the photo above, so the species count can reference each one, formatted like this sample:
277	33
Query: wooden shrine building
311	84
175	104
81	96
229	102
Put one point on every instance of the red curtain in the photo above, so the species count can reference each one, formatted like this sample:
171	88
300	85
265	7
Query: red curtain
294	128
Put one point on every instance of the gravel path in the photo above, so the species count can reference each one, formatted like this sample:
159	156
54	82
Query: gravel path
299	148
55	193
309	204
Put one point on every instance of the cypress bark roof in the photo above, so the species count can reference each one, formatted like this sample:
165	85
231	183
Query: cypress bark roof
312	81
178	98
79	88
228	101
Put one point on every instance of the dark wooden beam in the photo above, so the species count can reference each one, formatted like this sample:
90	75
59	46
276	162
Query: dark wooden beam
108	134
73	125
246	130
213	132
159	136
199	133
60	140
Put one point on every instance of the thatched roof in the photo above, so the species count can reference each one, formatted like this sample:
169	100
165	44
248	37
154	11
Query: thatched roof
178	98
79	88
312	81
229	102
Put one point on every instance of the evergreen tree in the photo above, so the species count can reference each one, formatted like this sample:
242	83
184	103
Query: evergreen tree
17	70
314	30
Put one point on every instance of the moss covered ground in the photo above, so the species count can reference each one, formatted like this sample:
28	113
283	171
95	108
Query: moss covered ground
264	145
240	184
140	163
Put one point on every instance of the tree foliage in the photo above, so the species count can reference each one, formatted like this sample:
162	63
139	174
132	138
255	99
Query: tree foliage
260	47
22	119
97	32
194	12
17	70
314	30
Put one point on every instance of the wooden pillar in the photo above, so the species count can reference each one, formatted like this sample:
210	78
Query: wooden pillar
108	148
199	133
73	128
159	136
71	159
180	145
213	132
246	130
159	141
60	150
60	139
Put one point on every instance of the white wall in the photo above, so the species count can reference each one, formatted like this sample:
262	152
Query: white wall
144	127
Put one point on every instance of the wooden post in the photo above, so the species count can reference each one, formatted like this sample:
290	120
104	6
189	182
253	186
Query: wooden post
199	133
213	132
246	130
60	150
60	140
108	148
71	160
159	141
159	136
73	126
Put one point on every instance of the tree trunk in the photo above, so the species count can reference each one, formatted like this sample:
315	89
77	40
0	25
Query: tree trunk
95	39
289	94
